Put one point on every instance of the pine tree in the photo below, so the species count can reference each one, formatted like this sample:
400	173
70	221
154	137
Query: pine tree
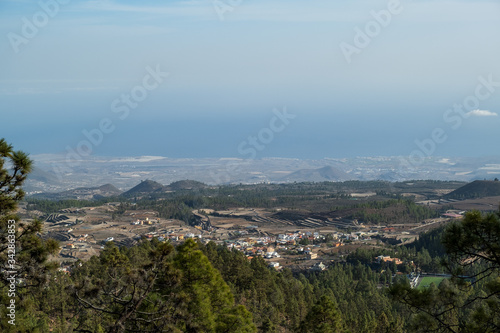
323	318
23	254
207	301
127	289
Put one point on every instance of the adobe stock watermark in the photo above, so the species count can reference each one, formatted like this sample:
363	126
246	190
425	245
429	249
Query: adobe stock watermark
31	26
121	107
222	7
373	28
253	144
11	271
454	117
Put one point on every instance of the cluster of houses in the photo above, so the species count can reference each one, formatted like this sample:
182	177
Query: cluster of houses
172	236
78	239
146	221
293	238
252	251
381	259
267	246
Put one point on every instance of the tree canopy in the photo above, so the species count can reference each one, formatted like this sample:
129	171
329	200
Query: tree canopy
23	255
470	300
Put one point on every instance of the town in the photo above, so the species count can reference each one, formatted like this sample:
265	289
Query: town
304	244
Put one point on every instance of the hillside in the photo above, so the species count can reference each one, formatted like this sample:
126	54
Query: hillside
108	190
186	185
476	189
40	179
82	193
145	187
150	186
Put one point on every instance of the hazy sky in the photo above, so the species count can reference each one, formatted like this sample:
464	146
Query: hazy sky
356	78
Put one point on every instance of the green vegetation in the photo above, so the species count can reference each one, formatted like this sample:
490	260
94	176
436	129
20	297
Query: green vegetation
194	287
328	198
476	189
153	287
427	280
24	268
470	300
52	206
389	211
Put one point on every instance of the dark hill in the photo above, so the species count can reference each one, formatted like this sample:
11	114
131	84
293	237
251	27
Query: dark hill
476	189
327	173
150	186
109	188
145	187
186	185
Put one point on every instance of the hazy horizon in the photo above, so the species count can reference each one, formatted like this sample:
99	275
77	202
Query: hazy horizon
366	78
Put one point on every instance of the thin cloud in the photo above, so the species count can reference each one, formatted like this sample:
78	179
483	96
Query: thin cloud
481	113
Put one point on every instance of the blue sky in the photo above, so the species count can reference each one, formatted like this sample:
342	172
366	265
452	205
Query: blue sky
225	77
